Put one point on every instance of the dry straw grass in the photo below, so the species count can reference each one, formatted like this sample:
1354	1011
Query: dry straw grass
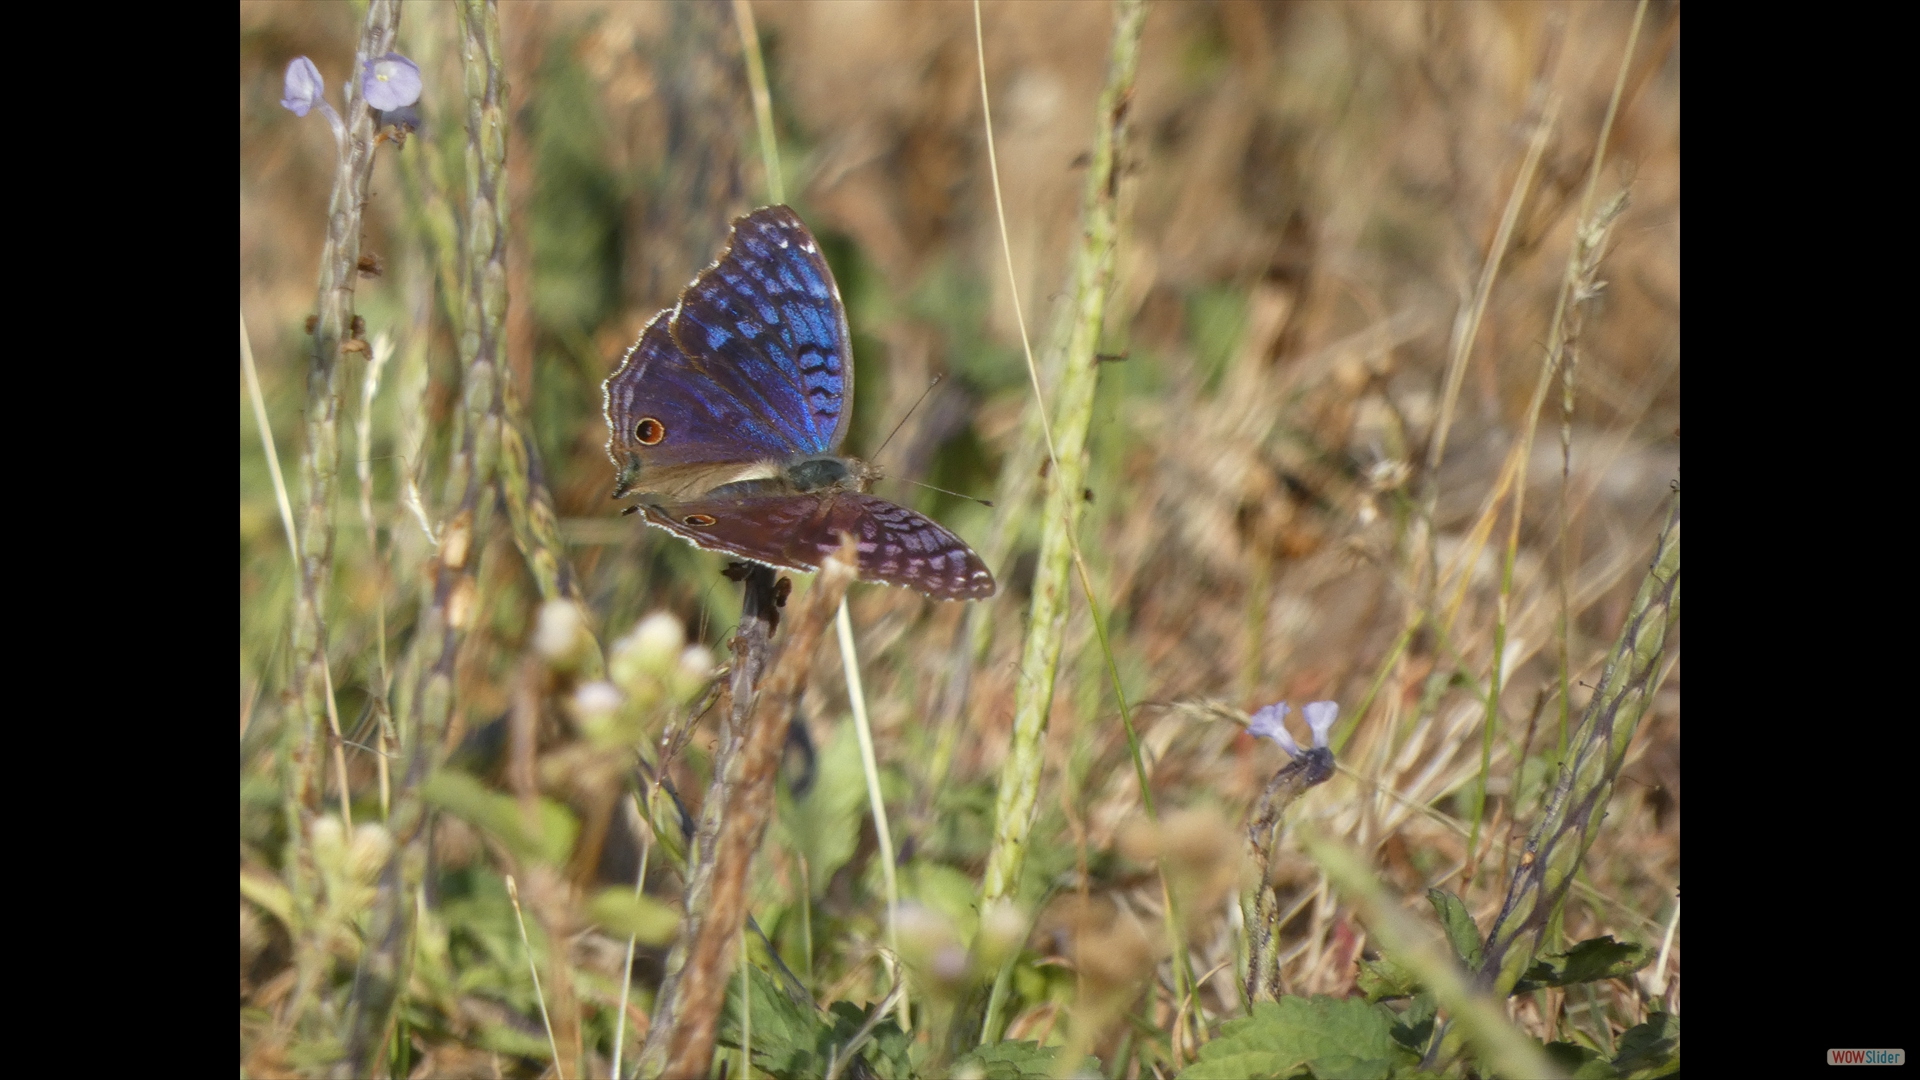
1344	235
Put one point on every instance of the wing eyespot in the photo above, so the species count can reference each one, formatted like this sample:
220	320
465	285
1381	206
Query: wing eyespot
699	521
649	432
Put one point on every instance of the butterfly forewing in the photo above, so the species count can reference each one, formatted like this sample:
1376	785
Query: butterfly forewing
765	322
663	411
798	531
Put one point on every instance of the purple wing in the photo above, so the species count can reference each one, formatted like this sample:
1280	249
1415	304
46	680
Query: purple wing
765	324
798	532
668	417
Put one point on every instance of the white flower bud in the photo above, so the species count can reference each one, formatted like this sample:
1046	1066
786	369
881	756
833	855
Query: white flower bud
1003	927
596	707
558	634
645	656
693	671
329	838
367	854
597	698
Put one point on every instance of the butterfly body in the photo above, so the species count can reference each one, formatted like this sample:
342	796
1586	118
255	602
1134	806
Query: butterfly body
727	415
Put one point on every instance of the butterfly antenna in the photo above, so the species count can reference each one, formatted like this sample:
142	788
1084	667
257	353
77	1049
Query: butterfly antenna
903	420
955	494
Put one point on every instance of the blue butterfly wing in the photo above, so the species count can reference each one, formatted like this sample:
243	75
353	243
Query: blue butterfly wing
765	323
676	429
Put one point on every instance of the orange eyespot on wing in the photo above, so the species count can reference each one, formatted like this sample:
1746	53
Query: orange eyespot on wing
699	521
649	431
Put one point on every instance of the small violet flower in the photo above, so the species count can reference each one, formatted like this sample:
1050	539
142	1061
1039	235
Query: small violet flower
391	82
1270	722
306	89
304	86
1320	717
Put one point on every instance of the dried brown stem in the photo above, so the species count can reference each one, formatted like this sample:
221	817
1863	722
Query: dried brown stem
680	1042
1263	912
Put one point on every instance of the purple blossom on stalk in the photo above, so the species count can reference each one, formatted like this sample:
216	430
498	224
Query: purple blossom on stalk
306	89
1270	723
391	82
1320	717
304	86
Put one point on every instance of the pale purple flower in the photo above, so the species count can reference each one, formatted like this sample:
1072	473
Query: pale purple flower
1320	717
306	89
1270	723
304	86
391	82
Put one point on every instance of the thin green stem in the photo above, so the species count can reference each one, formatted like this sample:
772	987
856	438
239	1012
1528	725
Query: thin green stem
452	604
762	99
513	894
1046	623
1006	245
1020	777
869	765
332	333
1558	843
626	969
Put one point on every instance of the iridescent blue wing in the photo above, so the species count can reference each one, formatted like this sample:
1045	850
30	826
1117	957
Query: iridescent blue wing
766	324
798	532
673	428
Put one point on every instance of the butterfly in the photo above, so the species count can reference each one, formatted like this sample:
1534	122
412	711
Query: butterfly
727	416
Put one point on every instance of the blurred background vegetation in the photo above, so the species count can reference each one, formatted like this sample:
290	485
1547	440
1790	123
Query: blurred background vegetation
1307	209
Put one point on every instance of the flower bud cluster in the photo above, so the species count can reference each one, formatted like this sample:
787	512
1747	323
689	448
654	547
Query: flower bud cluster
651	668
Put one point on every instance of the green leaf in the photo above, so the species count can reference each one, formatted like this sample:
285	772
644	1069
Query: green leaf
824	827
1014	1061
784	1034
1383	979
1327	1036
887	1050
792	1041
1590	961
550	841
1414	1030
1650	1049
1347	1067
1462	935
1580	1062
624	913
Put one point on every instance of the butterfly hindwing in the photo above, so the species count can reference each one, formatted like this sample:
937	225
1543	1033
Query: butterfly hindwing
798	531
766	322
